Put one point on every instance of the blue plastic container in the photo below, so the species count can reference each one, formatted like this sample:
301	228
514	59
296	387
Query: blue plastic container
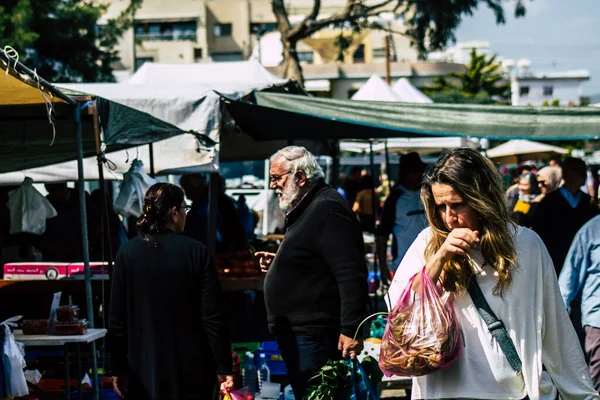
273	356
107	394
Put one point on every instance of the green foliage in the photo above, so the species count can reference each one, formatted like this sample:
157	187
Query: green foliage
479	84
331	382
432	24
342	43
555	103
61	39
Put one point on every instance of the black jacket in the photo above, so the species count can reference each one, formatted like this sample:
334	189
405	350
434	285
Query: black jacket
167	328
318	280
556	222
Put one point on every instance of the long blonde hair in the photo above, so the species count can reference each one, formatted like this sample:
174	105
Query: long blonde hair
476	180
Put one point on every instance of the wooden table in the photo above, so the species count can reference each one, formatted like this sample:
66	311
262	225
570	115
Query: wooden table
47	340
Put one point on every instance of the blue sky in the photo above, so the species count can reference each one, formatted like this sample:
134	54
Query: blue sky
556	35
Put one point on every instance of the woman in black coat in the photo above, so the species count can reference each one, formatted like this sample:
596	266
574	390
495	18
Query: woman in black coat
169	338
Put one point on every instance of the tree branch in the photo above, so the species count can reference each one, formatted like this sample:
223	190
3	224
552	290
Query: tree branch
375	25
353	11
283	21
308	19
369	10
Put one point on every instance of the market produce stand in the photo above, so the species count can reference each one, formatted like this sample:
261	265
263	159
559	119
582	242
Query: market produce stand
46	340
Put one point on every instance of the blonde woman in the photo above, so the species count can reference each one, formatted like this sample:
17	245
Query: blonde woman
471	237
548	179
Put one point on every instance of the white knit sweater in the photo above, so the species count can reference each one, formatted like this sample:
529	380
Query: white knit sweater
535	318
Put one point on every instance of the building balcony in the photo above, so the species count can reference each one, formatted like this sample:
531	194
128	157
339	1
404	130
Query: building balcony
166	36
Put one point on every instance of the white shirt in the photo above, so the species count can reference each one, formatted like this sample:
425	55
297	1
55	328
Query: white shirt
536	320
410	221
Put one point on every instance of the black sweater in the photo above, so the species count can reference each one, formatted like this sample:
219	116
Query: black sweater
167	328
556	222
318	280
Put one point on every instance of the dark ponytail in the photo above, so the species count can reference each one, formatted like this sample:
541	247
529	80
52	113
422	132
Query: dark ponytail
158	202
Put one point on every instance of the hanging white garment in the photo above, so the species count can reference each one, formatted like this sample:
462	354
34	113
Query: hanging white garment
13	360
29	209
136	182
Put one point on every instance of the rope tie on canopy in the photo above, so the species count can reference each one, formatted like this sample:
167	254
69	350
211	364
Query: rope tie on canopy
12	54
49	105
9	52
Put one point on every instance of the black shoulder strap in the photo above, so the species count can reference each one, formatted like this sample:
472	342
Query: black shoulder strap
495	326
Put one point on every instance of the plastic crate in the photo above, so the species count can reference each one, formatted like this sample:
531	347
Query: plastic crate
273	356
242	348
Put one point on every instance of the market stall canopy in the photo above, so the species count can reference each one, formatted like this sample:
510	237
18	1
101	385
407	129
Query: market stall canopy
517	151
408	93
275	115
376	89
36	119
406	145
37	128
188	96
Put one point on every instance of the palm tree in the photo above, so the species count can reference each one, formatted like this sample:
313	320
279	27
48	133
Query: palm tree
482	82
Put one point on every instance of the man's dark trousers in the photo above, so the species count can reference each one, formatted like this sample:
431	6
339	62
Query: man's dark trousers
304	355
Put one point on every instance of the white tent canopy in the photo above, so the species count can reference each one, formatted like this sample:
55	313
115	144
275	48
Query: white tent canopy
408	93
376	90
405	145
239	73
515	151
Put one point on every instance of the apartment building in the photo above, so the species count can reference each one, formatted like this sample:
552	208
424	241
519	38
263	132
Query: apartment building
186	31
562	88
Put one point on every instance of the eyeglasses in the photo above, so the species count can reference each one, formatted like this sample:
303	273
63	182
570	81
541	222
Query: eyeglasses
277	178
187	208
542	183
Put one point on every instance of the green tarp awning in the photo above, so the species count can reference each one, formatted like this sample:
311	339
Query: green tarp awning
279	116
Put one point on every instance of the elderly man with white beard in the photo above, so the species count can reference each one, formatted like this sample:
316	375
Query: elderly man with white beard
316	284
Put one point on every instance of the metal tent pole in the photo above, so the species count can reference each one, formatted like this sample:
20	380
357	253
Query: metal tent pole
151	154
100	157
266	190
84	242
213	201
374	204
387	160
335	166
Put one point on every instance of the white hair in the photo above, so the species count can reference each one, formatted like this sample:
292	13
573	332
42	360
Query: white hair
299	159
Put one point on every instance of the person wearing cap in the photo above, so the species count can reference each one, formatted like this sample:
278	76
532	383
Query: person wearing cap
403	214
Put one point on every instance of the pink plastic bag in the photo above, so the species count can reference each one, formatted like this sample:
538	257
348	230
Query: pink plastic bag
421	336
240	394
